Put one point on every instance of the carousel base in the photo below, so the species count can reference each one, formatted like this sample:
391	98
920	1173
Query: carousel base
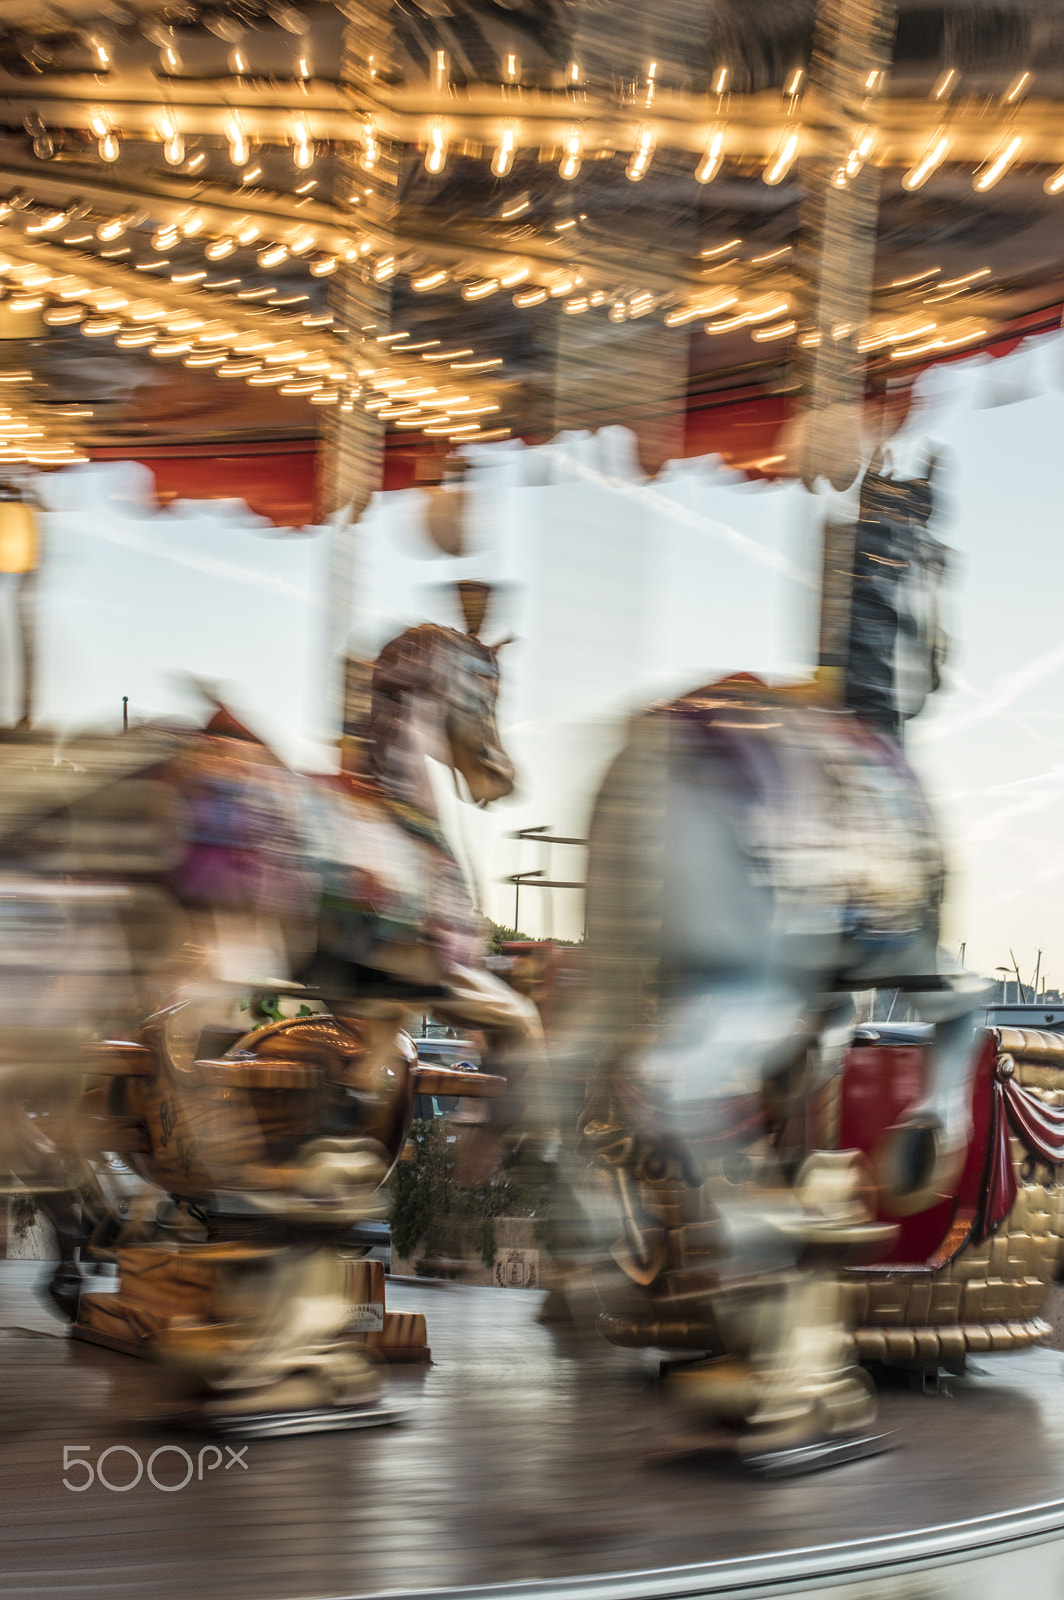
525	1467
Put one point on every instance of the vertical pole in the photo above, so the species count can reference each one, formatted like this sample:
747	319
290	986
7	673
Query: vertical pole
852	48
26	620
622	366
351	461
125	713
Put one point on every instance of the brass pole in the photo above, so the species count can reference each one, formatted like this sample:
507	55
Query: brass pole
351	459
852	50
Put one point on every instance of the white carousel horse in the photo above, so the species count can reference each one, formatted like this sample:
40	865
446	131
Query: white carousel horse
754	855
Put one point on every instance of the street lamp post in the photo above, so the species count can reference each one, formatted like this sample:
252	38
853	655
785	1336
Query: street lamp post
542	835
517	879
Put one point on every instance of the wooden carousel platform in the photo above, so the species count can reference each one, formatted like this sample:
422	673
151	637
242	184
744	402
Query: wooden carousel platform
518	1467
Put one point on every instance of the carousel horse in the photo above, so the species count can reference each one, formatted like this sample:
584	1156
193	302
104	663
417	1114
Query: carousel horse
755	854
273	1141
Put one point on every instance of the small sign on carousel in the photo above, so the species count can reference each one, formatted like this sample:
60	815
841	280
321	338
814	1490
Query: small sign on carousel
516	1269
366	1319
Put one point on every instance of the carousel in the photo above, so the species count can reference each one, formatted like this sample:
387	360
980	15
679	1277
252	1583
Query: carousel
297	254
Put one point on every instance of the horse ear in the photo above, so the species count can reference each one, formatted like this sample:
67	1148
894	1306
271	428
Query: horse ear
473	599
509	638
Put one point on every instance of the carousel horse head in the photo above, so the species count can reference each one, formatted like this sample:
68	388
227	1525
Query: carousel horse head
433	694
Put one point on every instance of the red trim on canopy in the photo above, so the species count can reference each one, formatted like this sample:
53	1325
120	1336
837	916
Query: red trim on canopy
276	479
743	426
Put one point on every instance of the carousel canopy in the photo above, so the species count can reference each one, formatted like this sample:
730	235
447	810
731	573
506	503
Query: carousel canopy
229	226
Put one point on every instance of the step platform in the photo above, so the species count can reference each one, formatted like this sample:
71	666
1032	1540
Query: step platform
164	1285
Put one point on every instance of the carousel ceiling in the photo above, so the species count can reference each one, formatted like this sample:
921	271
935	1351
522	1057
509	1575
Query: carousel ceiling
184	187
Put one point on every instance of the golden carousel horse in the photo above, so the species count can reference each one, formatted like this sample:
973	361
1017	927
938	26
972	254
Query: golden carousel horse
268	1143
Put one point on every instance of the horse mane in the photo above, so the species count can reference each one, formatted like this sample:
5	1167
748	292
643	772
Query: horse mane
406	666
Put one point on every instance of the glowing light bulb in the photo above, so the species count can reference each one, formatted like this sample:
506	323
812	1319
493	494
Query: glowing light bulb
1055	183
932	158
173	142
436	154
431	280
371	149
114	228
505	150
512	67
108	147
239	145
642	153
999	164
863	142
720	82
219	249
1016	88
782	158
712	156
573	154
441	72
272	256
303	148
238	62
169	60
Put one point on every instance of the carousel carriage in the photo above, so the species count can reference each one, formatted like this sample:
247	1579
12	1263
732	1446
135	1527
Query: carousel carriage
971	1273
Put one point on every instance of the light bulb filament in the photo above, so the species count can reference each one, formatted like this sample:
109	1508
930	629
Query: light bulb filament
712	156
436	154
573	154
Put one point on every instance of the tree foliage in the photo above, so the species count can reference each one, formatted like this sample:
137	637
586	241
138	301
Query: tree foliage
436	1218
